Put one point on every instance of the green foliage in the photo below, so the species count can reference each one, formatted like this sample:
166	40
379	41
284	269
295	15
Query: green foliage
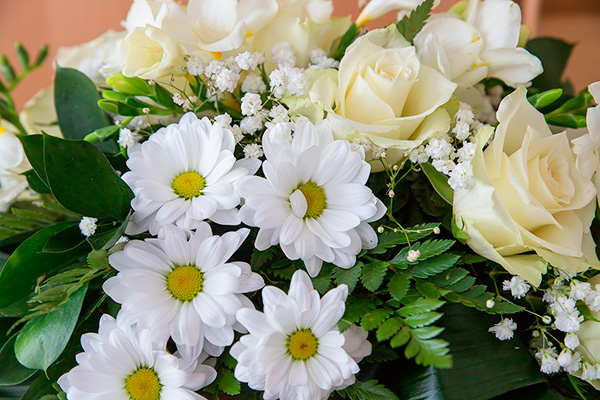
75	99
439	181
393	238
544	99
372	275
11	370
12	79
25	218
346	40
554	55
398	285
370	390
411	25
349	276
434	265
43	338
79	176
28	264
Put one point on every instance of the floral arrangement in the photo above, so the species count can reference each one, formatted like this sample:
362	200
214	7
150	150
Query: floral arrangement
254	199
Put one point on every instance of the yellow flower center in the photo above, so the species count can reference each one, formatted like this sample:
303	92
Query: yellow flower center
2	130
143	384
315	199
302	344
185	282
188	185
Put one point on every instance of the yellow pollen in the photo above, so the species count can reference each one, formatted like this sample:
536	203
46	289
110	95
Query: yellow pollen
188	185
185	282
216	54
2	130
315	199
143	384
302	344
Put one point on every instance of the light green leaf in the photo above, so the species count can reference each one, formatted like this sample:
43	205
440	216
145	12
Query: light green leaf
388	328
419	306
544	99
372	275
370	390
398	285
43	339
348	276
373	319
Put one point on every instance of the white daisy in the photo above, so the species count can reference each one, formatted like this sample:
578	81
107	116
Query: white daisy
121	362
184	287
314	201
294	349
184	174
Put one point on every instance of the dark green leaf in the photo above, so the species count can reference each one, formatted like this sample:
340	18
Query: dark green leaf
388	329
370	390
411	25
43	338
322	282
390	239
76	100
419	306
554	54
163	96
83	181
434	265
427	289
27	264
373	319
7	69
23	56
351	34
41	57
39	389
34	150
348	276
65	240
35	182
398	285
372	275
567	120
11	371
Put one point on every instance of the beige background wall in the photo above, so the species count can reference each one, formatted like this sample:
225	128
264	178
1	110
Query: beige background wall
70	22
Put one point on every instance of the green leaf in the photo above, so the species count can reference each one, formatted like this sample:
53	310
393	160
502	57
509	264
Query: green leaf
554	54
427	249
322	282
356	308
567	120
40	388
420	306
33	145
83	181
429	351
132	86
475	374
43	338
427	289
398	285
23	55
163	96
76	100
7	69
41	57
348	276
346	40
227	383
401	338
434	265
11	370
372	274
544	99
102	134
389	328
411	25
27	264
424	319
439	181
369	390
373	319
389	239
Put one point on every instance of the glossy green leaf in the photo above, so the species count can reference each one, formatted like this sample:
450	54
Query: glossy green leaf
544	99
27	264
554	54
43	338
33	145
11	370
475	374
83	181
76	100
439	182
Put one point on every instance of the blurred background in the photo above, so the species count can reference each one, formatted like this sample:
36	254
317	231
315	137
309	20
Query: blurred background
71	22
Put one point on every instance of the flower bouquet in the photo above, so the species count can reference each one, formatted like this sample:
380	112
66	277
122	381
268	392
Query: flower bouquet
252	199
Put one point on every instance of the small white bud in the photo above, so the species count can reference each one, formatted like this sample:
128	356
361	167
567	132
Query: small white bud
546	319
380	229
146	110
490	303
436	230
413	255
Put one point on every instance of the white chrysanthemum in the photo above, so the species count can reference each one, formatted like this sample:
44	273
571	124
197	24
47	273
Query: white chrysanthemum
294	349
504	330
183	287
314	201
184	174
122	362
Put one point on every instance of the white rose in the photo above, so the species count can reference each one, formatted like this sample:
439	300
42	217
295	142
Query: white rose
378	8
383	92
589	338
317	10
150	53
13	162
97	58
530	205
483	45
217	26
